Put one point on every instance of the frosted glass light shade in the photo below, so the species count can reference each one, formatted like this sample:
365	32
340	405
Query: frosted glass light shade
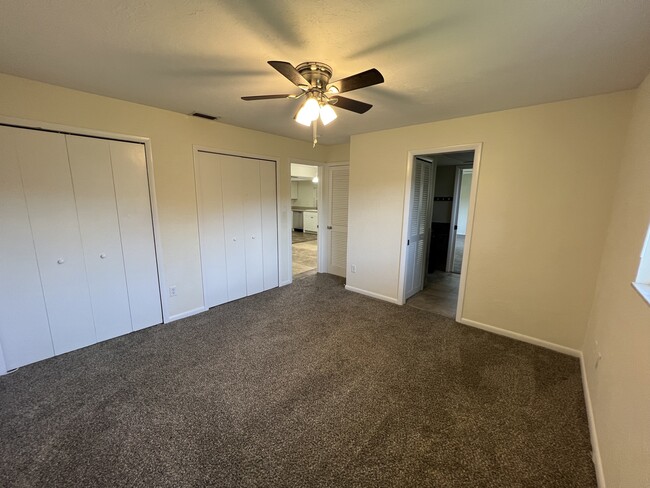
327	114
308	112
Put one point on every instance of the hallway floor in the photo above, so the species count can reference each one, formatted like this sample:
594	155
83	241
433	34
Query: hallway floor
440	294
304	251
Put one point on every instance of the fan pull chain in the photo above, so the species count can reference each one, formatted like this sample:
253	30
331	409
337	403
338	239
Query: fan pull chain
315	132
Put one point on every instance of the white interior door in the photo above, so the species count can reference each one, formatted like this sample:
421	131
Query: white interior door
211	229
252	202
24	327
237	226
337	226
92	177
268	192
53	215
418	226
233	219
129	163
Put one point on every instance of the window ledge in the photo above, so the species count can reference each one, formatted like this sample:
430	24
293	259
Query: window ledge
644	290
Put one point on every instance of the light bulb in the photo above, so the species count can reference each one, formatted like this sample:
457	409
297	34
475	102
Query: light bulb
308	112
314	179
327	114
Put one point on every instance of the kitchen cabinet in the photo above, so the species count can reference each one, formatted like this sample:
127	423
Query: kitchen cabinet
297	220
310	221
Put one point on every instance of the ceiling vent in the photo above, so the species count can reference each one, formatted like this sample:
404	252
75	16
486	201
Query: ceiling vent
205	116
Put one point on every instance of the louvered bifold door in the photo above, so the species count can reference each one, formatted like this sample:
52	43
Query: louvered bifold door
417	226
338	219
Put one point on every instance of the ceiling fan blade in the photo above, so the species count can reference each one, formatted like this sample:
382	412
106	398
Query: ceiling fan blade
289	72
349	104
360	80
266	97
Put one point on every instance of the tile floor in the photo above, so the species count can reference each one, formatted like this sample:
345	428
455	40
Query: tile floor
304	253
439	295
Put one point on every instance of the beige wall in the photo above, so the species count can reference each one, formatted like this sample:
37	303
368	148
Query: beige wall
172	136
620	319
543	190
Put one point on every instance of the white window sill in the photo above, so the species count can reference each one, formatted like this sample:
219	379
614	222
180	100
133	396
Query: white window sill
644	290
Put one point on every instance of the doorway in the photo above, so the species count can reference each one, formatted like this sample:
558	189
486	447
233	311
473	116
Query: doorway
440	199
304	230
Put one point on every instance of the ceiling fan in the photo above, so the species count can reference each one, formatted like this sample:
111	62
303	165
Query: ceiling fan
313	78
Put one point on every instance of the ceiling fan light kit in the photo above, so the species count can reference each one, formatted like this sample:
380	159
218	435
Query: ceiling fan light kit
313	79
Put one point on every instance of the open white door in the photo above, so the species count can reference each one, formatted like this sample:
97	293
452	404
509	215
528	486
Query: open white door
418	226
337	219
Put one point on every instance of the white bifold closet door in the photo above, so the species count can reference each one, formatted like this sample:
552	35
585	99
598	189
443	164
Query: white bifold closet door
238	226
77	241
92	176
112	195
52	212
24	328
136	230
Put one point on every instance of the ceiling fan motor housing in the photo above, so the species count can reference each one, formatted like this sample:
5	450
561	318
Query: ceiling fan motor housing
317	74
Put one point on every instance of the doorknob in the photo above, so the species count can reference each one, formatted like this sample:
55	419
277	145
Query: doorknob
102	255
329	227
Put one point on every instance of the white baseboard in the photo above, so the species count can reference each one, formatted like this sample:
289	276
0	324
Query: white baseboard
595	450
187	313
372	294
521	337
600	478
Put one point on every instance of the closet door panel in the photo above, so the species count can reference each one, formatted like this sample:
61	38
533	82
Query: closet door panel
136	227
55	228
233	219
253	226
24	328
269	223
211	229
92	178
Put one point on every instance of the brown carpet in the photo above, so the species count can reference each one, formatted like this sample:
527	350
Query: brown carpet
302	386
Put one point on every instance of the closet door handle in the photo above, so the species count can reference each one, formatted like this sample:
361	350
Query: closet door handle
234	239
329	227
60	261
102	256
252	237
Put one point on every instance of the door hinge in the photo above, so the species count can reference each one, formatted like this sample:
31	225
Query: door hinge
408	242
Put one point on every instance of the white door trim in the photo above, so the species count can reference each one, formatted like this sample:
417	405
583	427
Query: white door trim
320	240
455	205
477	148
66	129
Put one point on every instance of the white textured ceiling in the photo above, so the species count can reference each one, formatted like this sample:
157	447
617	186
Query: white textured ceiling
440	59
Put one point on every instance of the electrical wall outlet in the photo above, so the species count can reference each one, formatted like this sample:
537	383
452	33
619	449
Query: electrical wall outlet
172	291
353	268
